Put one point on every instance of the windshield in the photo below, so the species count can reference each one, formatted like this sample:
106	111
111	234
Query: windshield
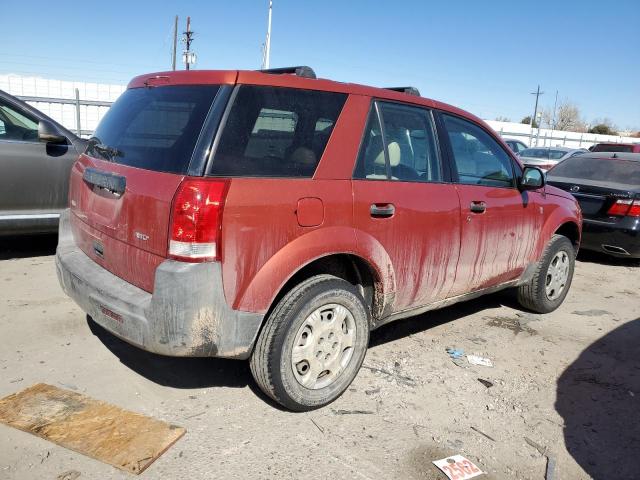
154	128
626	172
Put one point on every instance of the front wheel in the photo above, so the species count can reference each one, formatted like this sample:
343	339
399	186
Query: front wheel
313	344
550	283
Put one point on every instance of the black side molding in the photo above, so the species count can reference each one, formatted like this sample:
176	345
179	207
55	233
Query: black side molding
111	182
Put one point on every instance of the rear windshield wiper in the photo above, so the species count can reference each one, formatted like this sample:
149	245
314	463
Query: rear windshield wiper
105	151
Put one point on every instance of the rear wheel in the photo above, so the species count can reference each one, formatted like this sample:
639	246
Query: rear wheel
313	344
550	283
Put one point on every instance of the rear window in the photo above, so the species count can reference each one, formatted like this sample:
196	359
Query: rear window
626	172
154	128
276	132
612	148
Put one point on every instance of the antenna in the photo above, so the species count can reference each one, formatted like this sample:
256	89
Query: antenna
267	45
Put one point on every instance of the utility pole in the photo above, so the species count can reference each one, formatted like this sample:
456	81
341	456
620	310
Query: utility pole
175	43
188	56
553	118
537	93
267	44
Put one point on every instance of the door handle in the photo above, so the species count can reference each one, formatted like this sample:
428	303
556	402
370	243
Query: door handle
478	207
382	210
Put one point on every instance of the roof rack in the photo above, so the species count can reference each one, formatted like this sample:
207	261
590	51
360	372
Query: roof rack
300	71
407	90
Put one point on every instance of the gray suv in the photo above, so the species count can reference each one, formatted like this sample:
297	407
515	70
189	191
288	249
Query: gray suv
36	155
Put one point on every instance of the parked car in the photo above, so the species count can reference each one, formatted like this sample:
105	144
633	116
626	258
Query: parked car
36	155
607	186
547	157
279	217
516	146
616	147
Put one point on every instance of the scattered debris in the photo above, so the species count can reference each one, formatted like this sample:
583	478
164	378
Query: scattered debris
591	313
373	391
458	467
16	380
317	426
455	352
476	360
352	412
482	433
194	415
401	379
541	450
551	467
486	383
68	475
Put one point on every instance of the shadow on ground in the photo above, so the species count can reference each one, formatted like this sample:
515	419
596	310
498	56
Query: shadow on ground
177	372
412	325
599	399
28	246
603	259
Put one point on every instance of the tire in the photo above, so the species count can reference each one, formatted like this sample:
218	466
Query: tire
309	318
535	295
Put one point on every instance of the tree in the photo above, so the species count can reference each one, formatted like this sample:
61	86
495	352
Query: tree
602	129
500	118
526	120
568	117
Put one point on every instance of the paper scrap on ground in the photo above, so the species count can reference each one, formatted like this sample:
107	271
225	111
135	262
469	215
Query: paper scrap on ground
476	360
457	467
121	438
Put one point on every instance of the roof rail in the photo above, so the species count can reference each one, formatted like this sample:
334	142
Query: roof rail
300	71
407	90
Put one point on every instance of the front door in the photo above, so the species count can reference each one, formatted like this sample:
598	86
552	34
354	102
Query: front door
499	223
403	206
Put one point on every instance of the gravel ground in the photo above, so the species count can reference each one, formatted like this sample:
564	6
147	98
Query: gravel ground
564	385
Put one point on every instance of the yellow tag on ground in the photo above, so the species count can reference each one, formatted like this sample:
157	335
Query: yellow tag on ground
121	438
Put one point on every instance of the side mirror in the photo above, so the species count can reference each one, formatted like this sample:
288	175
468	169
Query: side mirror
532	179
49	133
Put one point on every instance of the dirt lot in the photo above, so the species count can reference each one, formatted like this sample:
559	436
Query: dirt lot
569	382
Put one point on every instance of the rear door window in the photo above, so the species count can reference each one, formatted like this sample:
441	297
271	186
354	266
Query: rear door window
276	132
409	150
154	128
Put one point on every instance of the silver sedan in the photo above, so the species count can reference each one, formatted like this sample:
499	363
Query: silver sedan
547	157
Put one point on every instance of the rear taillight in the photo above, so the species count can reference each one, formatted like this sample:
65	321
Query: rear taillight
625	208
196	220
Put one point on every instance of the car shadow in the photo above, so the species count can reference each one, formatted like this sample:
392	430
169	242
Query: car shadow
598	397
425	321
28	246
600	258
187	373
176	372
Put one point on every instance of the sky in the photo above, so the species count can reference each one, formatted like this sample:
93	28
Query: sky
483	56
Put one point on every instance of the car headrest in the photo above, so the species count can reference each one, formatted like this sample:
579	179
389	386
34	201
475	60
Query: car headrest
394	155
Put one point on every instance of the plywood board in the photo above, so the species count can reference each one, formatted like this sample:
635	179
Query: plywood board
121	438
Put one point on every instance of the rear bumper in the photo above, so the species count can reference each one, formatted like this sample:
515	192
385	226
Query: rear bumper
607	238
187	314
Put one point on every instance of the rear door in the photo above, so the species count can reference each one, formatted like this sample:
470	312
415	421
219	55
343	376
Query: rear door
121	191
403	202
500	224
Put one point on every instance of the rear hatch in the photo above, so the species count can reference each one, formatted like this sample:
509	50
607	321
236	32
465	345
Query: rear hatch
122	188
604	188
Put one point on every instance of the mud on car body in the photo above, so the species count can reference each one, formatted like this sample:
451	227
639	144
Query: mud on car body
277	217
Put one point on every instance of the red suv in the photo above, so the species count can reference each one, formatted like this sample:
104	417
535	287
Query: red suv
277	217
